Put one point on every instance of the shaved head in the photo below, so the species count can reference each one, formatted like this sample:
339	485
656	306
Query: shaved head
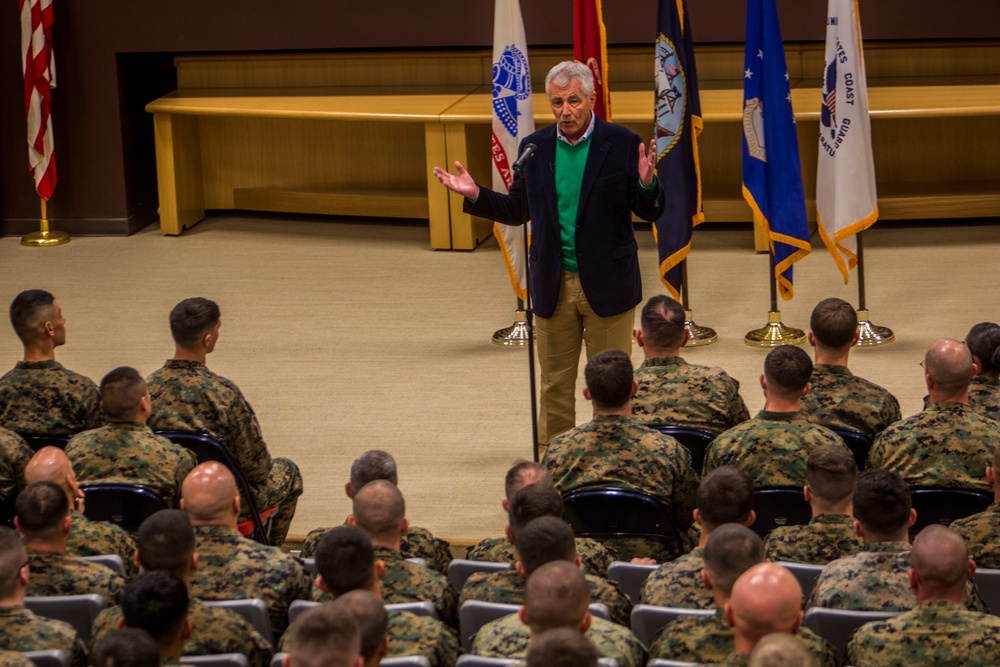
49	464
379	510
948	362
208	493
766	598
940	561
556	596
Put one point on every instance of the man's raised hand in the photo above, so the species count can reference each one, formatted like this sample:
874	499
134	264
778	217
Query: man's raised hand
647	163
463	183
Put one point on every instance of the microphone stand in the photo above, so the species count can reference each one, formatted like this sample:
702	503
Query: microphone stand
529	312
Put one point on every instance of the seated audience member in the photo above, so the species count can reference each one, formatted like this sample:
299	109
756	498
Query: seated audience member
126	449
345	562
830	476
186	396
836	396
127	647
373	621
613	449
165	543
731	550
773	446
157	603
325	636
983	341
417	543
15	659
561	647
14	456
39	395
766	599
939	630
44	521
20	629
725	495
556	596
542	541
875	579
230	566
670	390
781	649
982	531
947	444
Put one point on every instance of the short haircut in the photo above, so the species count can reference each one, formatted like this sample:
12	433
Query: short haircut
556	596
27	311
663	322
831	473
562	647
787	369
781	649
370	615
533	501
324	636
566	71
345	559
882	502
41	508
13	556
983	340
379	509
725	495
609	378
523	473
121	390
834	323
373	464
940	559
156	602
193	318
949	364
731	550
544	540
165	541
126	647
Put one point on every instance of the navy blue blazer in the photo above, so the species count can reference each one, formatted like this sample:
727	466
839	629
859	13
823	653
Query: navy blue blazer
607	252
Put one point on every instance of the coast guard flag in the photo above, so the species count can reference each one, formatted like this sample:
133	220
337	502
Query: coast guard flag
39	78
677	124
513	120
590	46
772	177
846	200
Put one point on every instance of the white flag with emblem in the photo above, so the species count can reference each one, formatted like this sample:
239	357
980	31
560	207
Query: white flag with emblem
513	119
846	201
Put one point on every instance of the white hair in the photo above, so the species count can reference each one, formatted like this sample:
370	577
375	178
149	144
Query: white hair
567	70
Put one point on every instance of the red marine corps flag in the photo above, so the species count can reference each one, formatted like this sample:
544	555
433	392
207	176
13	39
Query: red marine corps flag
590	46
39	79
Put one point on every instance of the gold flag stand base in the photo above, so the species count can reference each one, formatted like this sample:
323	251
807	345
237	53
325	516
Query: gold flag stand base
870	334
775	333
698	335
43	237
516	335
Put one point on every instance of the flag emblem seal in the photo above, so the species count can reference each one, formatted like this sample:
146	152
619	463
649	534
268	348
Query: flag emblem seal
671	97
511	84
753	128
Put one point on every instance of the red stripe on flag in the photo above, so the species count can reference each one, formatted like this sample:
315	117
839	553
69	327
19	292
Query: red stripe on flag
39	79
500	161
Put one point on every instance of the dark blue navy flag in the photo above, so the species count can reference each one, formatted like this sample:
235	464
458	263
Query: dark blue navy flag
772	176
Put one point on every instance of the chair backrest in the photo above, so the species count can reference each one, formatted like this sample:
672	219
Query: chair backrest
278	659
695	440
113	562
474	614
647	620
460	570
422	562
945	505
838	625
254	610
419	608
406	661
299	606
38	440
662	662
7	510
779	506
805	574
483	661
49	658
988	583
630	577
77	610
856	441
613	512
310	564
127	505
217	660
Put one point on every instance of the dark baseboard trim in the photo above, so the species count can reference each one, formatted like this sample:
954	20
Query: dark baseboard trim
84	226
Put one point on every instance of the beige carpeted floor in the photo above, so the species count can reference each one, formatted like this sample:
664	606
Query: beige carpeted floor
349	336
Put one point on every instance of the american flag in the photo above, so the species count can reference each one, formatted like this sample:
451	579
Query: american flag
39	79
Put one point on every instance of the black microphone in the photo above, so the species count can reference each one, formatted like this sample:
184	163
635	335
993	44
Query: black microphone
529	150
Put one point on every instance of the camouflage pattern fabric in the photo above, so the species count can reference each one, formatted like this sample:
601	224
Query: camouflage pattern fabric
14	456
508	588
678	584
21	630
933	633
672	391
57	574
417	543
982	536
95	538
839	398
595	556
771	448
507	637
213	631
231	567
14	659
410	634
984	396
946	445
734	659
825	538
131	453
44	397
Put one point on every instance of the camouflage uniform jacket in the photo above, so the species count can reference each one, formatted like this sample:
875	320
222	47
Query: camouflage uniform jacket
672	391
595	556
932	633
771	448
21	630
94	538
825	538
14	456
837	397
131	453
507	637
734	659
410	634
984	396
982	535
57	574
417	543
232	567
508	588
14	659
44	397
700	639
213	631
678	584
946	445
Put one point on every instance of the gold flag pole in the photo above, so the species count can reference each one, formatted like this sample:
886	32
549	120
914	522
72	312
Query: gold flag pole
44	237
774	333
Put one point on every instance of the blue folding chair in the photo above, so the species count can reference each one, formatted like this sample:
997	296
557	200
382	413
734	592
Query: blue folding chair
127	505
695	440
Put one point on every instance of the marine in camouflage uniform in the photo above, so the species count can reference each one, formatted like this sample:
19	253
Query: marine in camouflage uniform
416	543
839	398
58	574
14	456
131	453
95	538
982	536
508	637
825	538
595	556
672	391
946	445
187	396
771	448
678	584
14	659
984	396
700	639
410	634
44	397
508	588
617	451
21	630
935	632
